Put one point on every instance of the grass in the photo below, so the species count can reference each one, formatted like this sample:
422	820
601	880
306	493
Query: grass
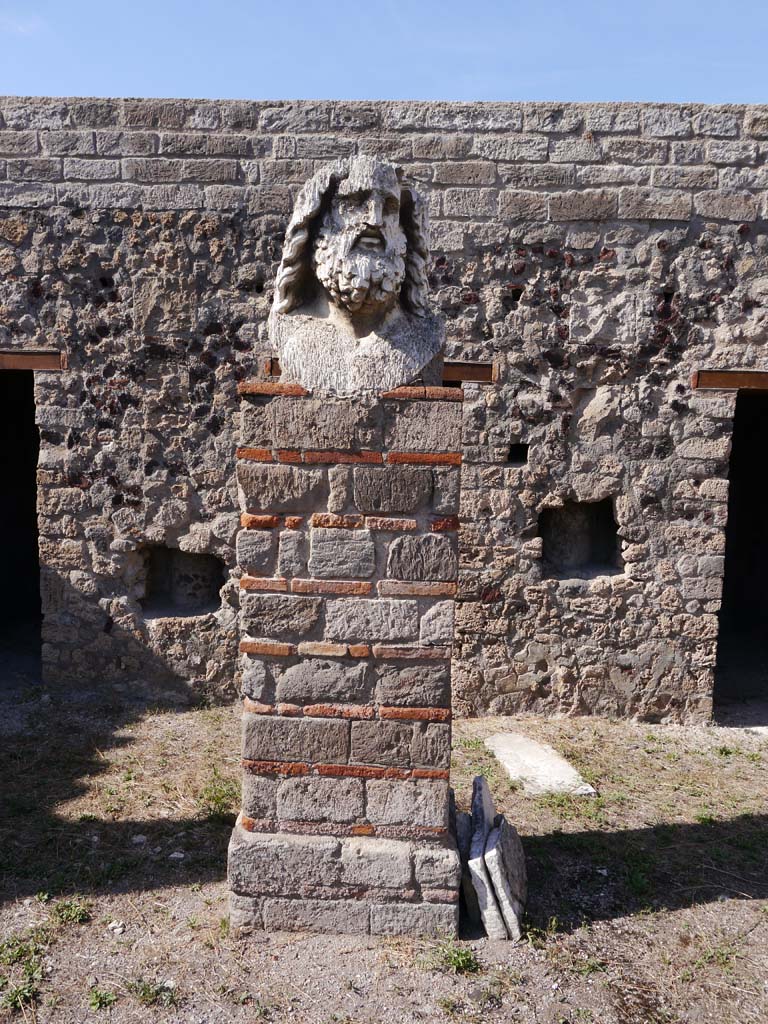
101	999
453	958
154	993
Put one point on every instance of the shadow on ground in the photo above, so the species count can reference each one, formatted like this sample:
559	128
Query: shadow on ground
53	748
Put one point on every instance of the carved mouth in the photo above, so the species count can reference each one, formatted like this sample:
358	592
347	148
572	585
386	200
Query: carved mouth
371	238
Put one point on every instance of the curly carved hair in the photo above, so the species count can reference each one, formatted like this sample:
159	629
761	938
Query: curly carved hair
314	198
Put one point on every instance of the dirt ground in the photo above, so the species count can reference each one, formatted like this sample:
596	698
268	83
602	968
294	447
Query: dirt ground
648	904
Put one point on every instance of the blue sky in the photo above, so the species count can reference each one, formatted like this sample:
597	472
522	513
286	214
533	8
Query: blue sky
679	50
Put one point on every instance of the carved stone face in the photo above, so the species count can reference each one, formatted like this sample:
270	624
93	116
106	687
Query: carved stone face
359	251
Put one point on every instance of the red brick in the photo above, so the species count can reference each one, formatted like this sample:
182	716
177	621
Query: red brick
293	522
416	714
405	392
289	710
359	650
444	523
404	588
444	394
339	711
363	830
328	519
424	458
344	457
320	648
276	767
258	583
431	773
253	707
254	454
300	586
362	771
266	387
288	455
411	652
272	647
258	522
439	895
384	523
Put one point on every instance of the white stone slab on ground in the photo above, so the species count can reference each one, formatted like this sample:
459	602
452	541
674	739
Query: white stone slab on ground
505	861
483	814
536	766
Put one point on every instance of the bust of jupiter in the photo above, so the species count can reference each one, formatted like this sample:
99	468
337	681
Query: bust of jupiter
350	313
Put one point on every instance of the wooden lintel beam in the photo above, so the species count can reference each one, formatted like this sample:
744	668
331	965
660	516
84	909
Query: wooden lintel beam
730	380
48	359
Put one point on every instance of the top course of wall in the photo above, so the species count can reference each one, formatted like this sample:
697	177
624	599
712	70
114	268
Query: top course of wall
479	161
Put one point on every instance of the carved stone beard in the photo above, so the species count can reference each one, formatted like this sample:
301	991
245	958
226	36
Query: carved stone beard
355	277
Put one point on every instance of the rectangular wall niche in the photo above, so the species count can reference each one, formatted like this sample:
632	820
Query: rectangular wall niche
179	583
580	540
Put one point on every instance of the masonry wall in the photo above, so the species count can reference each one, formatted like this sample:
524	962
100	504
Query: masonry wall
596	254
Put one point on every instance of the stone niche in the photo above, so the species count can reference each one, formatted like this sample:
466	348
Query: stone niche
179	583
580	539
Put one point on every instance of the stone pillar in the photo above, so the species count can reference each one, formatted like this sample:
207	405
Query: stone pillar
349	558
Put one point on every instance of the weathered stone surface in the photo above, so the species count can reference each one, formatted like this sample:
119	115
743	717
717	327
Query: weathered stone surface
266	488
261	863
415	802
347	917
437	624
376	863
256	681
292	553
431	747
278	616
391	489
535	766
505	861
424	427
356	619
436	919
259	796
384	743
267	738
430	557
419	686
313	799
315	681
341	554
256	551
438	865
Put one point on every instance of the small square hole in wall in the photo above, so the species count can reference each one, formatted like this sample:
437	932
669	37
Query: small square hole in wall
580	540
178	583
518	454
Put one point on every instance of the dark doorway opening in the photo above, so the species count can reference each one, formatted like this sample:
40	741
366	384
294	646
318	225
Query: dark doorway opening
20	616
742	651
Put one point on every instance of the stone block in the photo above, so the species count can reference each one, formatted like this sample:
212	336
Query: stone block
279	616
320	799
312	423
292	554
280	488
511	148
257	682
423	427
419	686
431	745
430	919
384	743
654	204
483	814
470	202
261	863
437	624
259	796
346	917
505	861
376	863
244	914
438	865
388	489
428	557
357	619
667	121
256	551
317	740
516	205
341	554
421	802
726	204
316	681
591	204
447	481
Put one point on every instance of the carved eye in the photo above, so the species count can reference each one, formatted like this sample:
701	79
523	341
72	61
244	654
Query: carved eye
391	205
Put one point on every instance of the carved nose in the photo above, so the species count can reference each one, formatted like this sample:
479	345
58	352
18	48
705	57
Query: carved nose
374	214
